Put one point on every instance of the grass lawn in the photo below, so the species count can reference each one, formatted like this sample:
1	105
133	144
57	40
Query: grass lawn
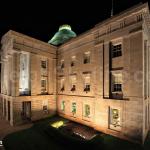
41	137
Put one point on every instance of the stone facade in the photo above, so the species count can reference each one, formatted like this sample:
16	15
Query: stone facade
100	78
13	46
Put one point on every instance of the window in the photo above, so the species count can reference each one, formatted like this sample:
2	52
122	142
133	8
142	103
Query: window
73	61
73	82
114	118
117	82
73	88
73	108
63	105
86	57
116	50
117	87
45	106
87	88
62	64
87	110
87	83
62	87
43	85
139	17
43	64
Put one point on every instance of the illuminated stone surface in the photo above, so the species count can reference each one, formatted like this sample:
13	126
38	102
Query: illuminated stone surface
87	82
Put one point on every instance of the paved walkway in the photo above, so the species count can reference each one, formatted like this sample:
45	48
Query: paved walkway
6	129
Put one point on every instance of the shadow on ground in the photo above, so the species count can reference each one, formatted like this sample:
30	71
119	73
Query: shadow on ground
41	136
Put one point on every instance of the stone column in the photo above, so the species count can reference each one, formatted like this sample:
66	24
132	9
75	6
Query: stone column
106	70
15	74
34	74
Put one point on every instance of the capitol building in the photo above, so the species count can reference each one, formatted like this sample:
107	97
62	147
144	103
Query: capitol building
99	78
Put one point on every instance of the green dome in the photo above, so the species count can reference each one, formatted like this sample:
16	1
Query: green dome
64	34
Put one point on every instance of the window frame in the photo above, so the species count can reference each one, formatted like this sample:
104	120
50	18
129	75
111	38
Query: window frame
87	82
45	64
73	108
63	106
44	90
87	57
62	85
85	109
115	123
62	64
115	51
118	83
73	59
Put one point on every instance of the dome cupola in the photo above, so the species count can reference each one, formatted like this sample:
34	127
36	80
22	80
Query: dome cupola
63	35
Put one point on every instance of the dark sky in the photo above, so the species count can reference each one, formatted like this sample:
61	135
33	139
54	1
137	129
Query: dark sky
42	19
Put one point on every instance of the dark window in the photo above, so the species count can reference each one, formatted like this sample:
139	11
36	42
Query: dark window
72	63
62	65
43	83
86	58
139	18
73	88
116	50
43	64
62	89
45	108
87	88
117	87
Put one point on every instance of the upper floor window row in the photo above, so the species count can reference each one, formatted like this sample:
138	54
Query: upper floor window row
86	60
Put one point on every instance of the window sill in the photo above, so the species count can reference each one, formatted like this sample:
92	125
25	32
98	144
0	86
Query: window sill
123	99
117	92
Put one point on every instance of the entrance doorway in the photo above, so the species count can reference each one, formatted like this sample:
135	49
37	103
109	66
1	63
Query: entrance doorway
26	110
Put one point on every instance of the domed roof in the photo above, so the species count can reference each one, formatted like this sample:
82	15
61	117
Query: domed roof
64	34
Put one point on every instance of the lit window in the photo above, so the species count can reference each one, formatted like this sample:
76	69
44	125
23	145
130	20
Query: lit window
63	105
117	82
24	74
86	57
114	118
43	64
116	50
73	108
87	110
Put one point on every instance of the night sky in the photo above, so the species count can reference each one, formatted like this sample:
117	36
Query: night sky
42	19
